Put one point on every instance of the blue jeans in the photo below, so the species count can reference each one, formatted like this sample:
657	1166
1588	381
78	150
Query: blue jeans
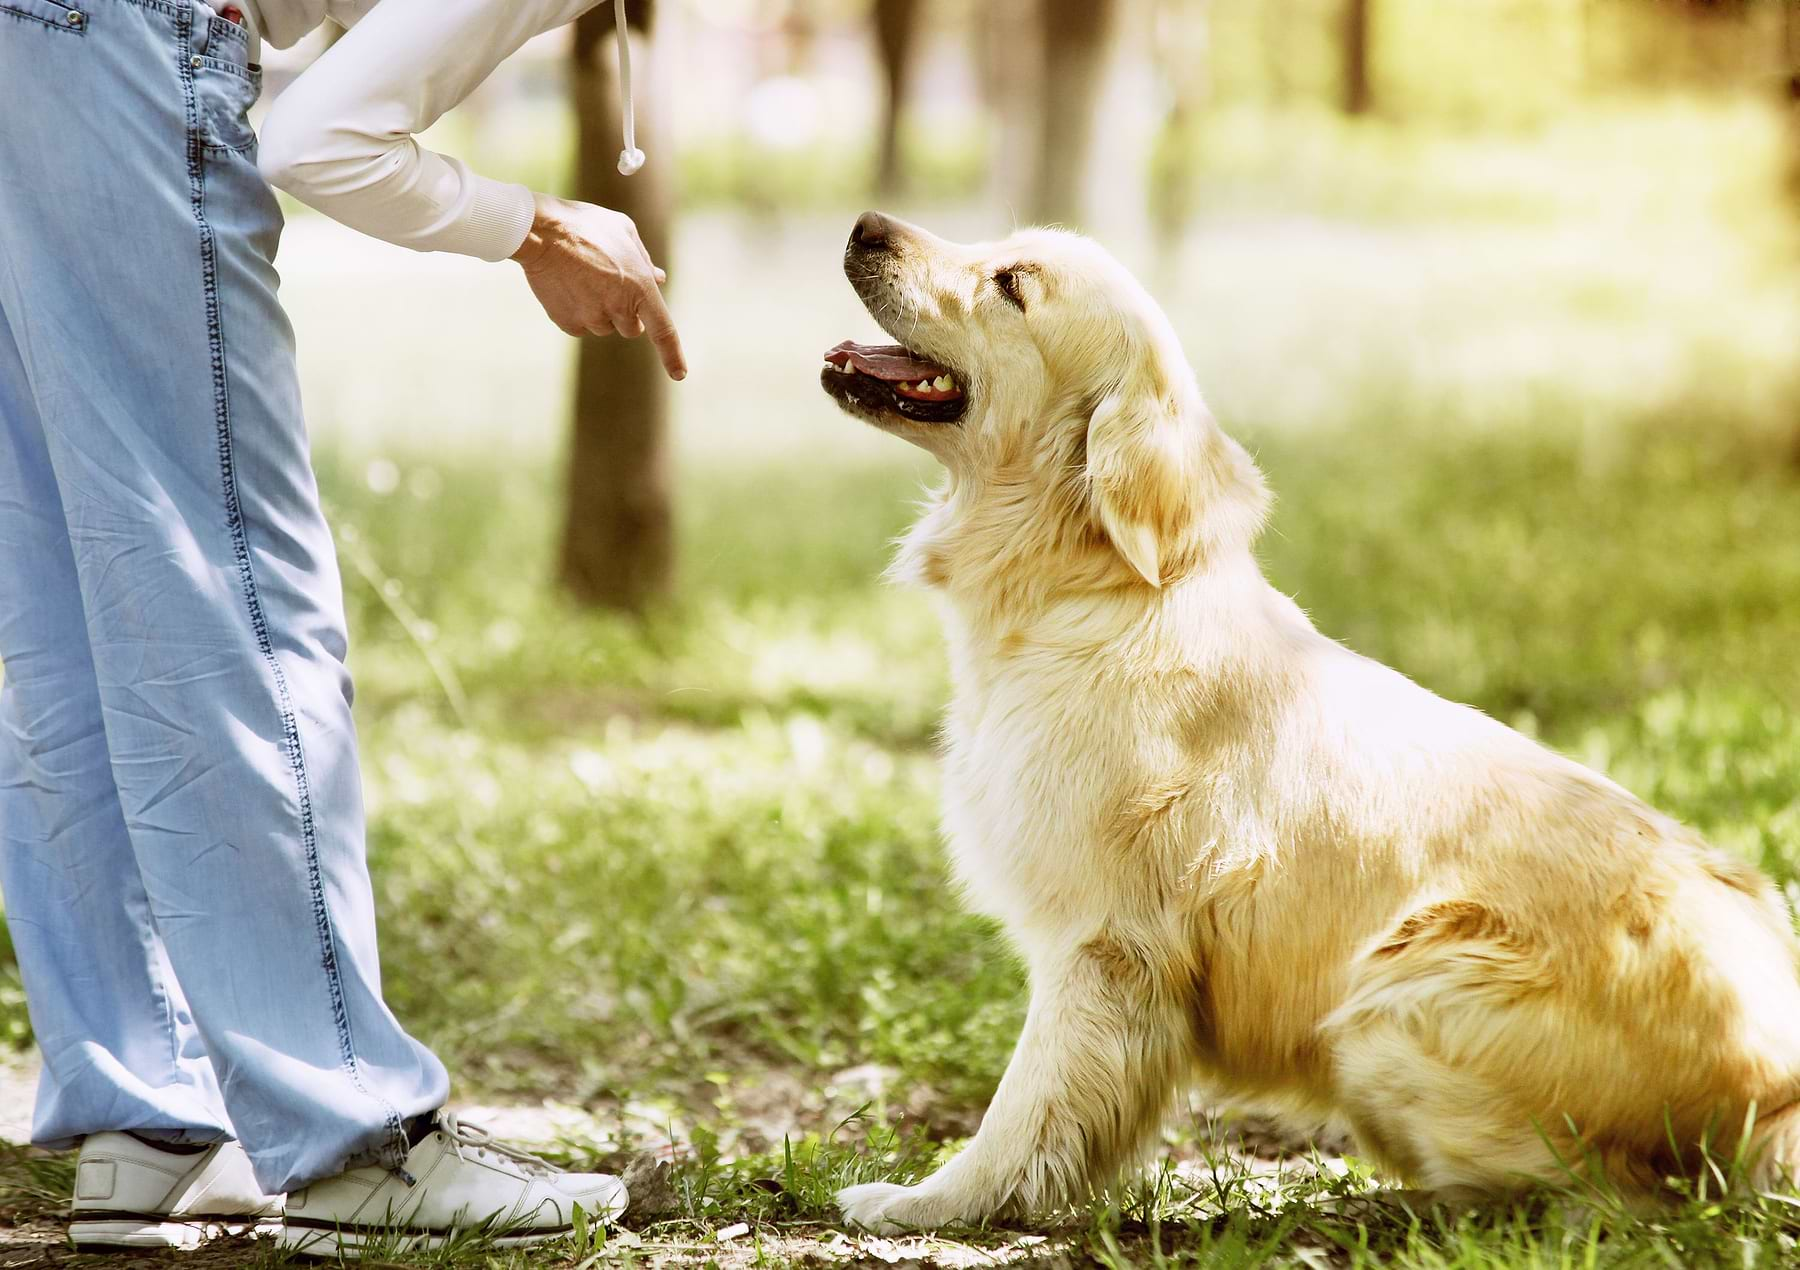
181	824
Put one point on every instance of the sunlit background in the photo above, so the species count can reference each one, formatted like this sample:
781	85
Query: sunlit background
1504	295
1586	206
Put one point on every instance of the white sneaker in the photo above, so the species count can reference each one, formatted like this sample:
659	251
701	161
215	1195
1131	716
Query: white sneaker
130	1193
457	1180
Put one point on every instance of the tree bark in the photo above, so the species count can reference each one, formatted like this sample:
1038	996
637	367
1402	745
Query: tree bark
1358	97
896	34
1077	41
618	545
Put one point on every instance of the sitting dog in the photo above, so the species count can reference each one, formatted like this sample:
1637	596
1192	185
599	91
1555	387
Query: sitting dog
1226	846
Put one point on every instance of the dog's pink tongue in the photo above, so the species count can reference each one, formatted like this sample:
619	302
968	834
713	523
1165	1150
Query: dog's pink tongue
886	361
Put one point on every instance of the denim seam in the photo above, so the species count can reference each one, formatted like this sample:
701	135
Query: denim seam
163	997
240	542
224	147
240	69
225	29
8	11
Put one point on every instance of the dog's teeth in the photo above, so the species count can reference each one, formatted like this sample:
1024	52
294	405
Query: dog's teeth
943	383
924	385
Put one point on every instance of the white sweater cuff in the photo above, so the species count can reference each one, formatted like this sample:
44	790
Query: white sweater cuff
494	227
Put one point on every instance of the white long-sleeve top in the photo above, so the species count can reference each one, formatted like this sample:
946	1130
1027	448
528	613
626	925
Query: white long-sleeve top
343	137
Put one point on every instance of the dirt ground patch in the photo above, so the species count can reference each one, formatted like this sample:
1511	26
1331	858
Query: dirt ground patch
43	1243
46	1243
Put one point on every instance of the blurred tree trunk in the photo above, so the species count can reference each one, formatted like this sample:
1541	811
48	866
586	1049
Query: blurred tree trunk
1358	98
1718	8
1008	35
1790	35
1790	40
1183	44
1077	40
618	543
896	34
1274	51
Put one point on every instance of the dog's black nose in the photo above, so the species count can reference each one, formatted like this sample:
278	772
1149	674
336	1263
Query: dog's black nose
871	232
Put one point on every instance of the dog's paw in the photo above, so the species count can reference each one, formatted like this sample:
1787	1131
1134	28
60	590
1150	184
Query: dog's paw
880	1207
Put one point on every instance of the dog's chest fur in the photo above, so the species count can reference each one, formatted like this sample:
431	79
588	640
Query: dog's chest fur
1016	818
1039	760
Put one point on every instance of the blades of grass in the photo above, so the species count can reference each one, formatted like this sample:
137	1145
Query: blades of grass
1742	1158
387	590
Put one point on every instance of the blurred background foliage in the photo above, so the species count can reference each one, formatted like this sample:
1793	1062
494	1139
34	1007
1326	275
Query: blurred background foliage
1504	294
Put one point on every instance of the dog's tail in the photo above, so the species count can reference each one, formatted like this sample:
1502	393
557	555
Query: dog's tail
1775	1142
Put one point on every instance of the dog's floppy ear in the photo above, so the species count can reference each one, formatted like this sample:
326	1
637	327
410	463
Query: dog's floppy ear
1143	460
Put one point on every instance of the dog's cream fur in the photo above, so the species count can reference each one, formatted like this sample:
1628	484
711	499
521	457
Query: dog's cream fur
1229	848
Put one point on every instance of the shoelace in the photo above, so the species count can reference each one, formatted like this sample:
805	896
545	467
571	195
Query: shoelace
485	1146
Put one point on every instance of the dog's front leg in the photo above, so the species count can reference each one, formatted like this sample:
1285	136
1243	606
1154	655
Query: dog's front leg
1090	1079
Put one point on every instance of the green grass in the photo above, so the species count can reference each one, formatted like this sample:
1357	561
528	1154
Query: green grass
685	872
725	818
654	866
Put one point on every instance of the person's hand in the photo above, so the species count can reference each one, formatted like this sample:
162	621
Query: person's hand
588	268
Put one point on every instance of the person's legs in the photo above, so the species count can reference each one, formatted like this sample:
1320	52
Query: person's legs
120	1050
136	248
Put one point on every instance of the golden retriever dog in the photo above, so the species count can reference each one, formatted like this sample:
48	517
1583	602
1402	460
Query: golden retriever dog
1230	849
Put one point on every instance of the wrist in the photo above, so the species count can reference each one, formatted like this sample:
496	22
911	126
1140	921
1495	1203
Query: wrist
546	232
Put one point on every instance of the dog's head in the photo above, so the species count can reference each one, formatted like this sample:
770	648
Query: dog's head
1050	385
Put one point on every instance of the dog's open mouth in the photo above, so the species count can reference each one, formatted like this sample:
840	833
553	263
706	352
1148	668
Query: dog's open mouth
895	379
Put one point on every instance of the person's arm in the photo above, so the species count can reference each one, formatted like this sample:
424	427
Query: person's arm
342	139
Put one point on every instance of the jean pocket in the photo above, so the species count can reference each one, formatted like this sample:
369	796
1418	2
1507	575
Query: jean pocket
70	18
224	92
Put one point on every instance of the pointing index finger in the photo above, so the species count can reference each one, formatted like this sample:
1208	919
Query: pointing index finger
655	316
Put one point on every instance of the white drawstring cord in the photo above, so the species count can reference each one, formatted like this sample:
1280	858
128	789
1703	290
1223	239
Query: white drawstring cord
630	158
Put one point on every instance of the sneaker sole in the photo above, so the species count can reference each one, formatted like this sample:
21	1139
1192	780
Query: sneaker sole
348	1241
132	1231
